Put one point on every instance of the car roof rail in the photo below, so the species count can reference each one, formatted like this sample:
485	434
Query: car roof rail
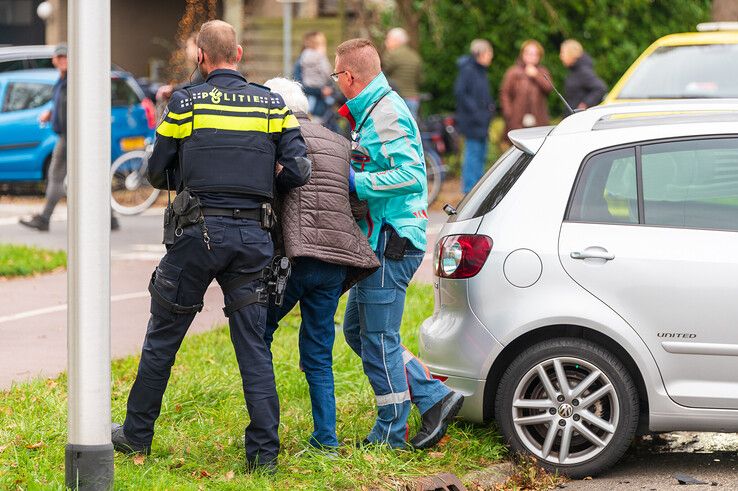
585	121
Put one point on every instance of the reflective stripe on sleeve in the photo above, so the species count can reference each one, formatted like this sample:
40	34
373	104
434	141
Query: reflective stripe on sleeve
173	130
393	398
289	122
177	117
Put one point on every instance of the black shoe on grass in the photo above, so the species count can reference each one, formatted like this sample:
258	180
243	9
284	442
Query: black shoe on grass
435	421
123	445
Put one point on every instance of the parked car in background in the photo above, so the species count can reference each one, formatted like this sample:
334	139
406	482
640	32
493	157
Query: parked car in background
586	288
25	57
682	66
26	145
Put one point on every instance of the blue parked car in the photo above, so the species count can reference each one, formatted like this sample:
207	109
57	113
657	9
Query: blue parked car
25	145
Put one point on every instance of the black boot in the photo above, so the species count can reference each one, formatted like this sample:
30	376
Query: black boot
123	445
436	419
36	221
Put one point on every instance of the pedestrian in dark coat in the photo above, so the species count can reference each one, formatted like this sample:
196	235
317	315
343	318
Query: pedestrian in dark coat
582	88
475	109
525	89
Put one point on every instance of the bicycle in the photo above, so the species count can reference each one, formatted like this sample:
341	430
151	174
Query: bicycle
439	138
131	192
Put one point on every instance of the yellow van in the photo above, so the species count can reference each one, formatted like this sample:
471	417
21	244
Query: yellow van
687	65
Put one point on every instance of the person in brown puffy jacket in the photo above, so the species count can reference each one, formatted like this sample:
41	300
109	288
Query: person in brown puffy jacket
525	89
328	252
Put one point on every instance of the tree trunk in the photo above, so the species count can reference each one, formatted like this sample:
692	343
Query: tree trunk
410	18
724	10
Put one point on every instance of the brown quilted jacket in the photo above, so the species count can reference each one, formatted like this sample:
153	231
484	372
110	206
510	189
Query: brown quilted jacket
316	219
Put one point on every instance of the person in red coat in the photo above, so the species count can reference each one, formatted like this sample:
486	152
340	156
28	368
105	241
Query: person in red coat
525	89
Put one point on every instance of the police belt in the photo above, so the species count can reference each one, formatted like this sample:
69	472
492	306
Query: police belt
252	213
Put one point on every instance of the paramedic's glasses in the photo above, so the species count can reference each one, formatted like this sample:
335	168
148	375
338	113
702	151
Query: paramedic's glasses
334	76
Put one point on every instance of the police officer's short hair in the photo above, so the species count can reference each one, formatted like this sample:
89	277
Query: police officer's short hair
291	92
217	39
360	57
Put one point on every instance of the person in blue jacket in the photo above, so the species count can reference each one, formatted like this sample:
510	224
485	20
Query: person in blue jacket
475	109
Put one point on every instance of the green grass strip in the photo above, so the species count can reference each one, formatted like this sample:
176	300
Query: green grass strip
199	435
21	260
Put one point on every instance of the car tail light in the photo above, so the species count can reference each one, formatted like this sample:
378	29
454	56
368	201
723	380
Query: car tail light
461	256
150	110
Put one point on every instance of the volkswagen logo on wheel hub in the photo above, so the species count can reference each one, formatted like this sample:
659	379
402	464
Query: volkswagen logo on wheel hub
566	410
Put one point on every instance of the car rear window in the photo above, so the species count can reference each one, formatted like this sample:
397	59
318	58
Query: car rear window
493	187
679	72
26	95
122	94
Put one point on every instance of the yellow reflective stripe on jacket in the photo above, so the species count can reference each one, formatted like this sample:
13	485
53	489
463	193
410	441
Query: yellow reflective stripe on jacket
172	115
244	123
289	122
173	130
241	109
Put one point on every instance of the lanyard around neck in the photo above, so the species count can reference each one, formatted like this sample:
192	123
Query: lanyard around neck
355	133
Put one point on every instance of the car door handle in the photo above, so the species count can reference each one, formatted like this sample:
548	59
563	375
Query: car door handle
593	253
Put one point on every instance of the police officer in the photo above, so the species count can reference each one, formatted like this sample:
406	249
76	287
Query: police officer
219	142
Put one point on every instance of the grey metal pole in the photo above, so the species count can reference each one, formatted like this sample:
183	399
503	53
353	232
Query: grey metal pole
287	39
89	452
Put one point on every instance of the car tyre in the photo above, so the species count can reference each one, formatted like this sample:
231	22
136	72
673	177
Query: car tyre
578	431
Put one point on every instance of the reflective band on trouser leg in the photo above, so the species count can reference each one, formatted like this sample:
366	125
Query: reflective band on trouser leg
393	398
425	390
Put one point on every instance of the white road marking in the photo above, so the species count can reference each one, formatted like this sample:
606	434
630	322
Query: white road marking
63	307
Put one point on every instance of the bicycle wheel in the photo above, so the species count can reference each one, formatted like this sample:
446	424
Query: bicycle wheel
131	192
434	172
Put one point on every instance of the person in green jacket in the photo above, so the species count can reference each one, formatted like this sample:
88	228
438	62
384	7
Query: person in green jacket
388	171
402	66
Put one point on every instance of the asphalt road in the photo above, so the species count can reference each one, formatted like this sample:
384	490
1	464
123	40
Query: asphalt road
657	462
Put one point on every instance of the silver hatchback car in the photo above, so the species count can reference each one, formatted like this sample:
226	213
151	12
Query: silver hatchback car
587	288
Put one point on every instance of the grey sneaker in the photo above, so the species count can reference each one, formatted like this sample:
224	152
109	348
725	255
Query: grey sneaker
436	419
123	445
36	221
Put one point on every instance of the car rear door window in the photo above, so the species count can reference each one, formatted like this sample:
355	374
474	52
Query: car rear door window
607	189
122	94
25	95
691	184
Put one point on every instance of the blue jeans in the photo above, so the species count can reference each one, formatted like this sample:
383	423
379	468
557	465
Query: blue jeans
317	285
475	156
372	329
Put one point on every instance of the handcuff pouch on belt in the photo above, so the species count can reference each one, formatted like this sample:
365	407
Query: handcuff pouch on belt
274	284
184	211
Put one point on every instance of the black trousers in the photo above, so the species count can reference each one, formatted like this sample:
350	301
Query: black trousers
237	246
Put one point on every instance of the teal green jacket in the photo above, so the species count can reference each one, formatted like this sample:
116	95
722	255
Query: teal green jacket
387	155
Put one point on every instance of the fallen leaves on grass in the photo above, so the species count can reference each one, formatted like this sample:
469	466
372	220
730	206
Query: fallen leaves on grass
436	455
229	475
139	459
36	446
201	473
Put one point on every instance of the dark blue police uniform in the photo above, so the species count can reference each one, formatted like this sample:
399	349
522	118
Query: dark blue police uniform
220	139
